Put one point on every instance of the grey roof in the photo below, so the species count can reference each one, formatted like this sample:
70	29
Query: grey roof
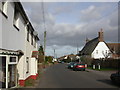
114	47
72	56
89	47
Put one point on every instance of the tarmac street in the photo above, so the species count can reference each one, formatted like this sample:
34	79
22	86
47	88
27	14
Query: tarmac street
58	76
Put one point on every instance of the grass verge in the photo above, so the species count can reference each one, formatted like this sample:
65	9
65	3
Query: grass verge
29	82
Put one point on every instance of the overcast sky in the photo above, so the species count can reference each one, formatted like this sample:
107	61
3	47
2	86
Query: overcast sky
69	23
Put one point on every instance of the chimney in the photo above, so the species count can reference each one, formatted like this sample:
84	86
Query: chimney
100	35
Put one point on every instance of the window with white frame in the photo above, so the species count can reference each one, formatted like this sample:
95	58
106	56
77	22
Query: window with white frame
13	60
4	8
31	38
34	41
106	52
28	33
27	62
96	51
16	18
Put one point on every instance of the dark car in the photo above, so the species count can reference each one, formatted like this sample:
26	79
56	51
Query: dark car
115	77
79	66
70	65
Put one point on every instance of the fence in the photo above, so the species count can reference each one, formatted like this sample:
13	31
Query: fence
108	63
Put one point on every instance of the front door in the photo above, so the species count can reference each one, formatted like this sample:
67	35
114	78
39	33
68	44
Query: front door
12	71
11	75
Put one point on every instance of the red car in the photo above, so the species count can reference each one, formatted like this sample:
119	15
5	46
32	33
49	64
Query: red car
79	66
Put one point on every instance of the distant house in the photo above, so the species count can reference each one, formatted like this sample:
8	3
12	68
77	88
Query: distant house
72	57
69	58
18	46
115	49
62	58
96	48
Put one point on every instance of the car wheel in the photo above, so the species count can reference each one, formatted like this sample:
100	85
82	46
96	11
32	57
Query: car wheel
113	80
74	69
83	69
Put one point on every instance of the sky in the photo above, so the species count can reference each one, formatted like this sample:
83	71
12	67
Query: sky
68	24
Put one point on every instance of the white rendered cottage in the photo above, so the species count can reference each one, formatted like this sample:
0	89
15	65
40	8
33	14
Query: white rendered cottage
18	43
96	48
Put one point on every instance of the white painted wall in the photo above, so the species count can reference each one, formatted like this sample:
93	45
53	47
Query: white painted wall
12	39
102	48
33	66
36	70
28	53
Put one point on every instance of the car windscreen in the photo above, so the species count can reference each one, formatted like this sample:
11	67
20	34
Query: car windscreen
80	64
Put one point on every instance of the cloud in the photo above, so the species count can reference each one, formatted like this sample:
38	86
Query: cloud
65	37
62	8
91	13
68	0
94	12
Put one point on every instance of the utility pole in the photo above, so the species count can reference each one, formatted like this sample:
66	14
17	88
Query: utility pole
54	53
44	44
77	48
44	23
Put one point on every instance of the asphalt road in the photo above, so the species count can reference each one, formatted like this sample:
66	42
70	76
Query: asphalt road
58	76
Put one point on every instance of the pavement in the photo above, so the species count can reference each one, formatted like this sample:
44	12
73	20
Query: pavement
104	73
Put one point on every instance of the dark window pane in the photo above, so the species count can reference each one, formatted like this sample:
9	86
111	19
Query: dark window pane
12	59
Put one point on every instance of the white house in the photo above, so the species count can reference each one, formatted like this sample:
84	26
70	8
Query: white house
18	43
96	48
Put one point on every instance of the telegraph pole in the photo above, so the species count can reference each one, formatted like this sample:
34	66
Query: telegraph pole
54	53
77	48
44	23
44	44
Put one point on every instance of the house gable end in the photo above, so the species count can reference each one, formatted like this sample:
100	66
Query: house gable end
101	51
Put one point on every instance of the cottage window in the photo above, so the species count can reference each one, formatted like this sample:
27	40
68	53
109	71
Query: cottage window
96	51
12	59
3	8
16	18
106	52
27	62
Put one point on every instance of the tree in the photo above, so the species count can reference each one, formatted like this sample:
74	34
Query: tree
106	54
41	54
49	59
41	51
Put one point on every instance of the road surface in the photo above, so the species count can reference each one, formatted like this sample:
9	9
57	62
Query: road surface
58	76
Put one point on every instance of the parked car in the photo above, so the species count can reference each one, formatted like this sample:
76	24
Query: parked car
115	77
62	61
79	66
70	65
